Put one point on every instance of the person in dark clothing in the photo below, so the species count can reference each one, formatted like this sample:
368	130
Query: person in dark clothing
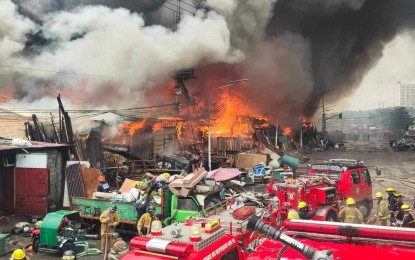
193	164
408	219
160	217
103	186
142	200
391	204
399	212
304	212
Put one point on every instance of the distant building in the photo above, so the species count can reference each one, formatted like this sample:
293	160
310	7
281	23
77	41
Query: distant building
404	95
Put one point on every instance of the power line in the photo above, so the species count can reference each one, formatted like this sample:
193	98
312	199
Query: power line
177	6
22	110
63	72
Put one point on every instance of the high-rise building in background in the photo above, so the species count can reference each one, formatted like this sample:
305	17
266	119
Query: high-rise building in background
404	95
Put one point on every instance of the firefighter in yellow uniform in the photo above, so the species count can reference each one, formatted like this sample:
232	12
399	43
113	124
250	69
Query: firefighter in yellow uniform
350	214
292	214
382	213
19	254
144	224
109	220
408	219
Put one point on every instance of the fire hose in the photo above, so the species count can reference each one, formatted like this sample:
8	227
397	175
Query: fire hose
257	225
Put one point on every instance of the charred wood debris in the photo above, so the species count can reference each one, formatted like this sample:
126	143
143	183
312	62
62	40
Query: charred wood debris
117	162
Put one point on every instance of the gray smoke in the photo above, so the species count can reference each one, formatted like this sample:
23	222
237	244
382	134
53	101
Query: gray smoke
346	39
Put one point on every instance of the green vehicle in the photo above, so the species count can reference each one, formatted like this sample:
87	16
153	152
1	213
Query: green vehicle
61	231
173	208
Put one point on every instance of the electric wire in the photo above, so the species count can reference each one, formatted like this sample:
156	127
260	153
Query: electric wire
64	72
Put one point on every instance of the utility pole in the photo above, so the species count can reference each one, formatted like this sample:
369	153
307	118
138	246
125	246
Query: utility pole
323	127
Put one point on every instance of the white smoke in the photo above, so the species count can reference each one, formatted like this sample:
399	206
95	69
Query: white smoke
13	28
113	43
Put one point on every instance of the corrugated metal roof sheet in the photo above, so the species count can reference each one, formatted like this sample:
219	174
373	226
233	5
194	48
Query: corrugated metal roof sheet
35	145
75	180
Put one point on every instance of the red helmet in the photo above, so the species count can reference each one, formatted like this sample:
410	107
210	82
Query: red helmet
101	178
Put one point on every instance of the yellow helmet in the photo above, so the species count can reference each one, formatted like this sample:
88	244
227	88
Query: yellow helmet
18	254
350	201
405	207
292	214
302	204
390	189
379	194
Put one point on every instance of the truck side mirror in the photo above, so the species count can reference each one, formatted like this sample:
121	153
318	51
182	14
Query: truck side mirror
378	171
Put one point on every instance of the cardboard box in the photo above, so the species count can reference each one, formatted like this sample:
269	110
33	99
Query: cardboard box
249	160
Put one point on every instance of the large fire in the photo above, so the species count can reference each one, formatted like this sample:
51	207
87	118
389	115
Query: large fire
132	127
229	119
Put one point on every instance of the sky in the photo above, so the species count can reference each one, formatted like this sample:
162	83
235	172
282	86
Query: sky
376	89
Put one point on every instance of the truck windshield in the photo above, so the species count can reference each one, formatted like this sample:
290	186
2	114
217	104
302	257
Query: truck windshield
187	204
333	175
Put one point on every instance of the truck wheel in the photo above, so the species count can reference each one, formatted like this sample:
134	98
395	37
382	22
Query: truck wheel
331	216
364	209
36	244
67	246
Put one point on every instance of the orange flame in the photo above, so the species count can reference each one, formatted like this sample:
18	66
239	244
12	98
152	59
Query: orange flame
287	131
230	120
157	127
132	127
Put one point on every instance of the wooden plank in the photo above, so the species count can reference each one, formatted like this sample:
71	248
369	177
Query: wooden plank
90	177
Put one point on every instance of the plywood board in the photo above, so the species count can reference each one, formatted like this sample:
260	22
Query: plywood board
127	185
247	161
90	176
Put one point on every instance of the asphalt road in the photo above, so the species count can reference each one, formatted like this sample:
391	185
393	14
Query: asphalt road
398	171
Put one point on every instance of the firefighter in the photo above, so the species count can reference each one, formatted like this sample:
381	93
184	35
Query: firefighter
350	214
292	214
144	224
119	248
408	220
109	220
69	255
392	203
304	212
382	213
399	212
19	254
142	200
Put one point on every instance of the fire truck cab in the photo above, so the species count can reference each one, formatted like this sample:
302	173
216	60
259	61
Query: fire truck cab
327	186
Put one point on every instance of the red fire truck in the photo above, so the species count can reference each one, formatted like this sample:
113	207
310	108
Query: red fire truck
220	237
325	189
300	239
